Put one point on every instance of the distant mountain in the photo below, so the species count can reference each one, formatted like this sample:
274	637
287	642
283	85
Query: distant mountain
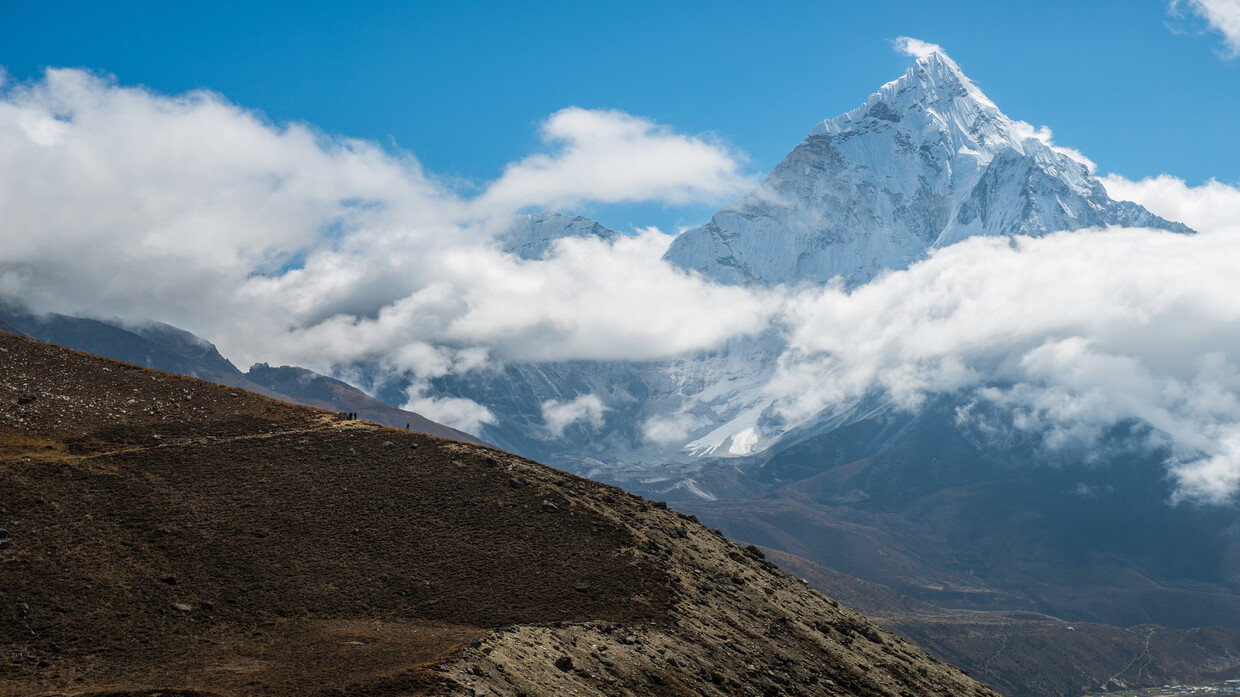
153	345
927	161
164	347
532	236
946	514
302	386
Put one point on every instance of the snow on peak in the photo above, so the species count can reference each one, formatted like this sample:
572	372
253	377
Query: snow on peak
933	86
926	161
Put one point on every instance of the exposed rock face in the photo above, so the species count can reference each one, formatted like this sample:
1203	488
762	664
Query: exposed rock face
927	161
210	541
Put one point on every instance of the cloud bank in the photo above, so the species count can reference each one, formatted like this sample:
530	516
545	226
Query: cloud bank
198	212
1084	330
281	243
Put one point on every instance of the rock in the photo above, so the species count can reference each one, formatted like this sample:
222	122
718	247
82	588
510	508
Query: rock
549	507
4	544
44	663
514	483
3	533
754	552
166	530
23	609
581	588
479	692
183	607
27	398
564	663
207	605
388	444
170	580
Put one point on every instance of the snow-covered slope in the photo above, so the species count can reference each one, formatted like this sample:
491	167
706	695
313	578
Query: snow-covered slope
927	161
531	236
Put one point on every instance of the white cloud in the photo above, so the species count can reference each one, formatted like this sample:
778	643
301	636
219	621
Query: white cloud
1042	133
1085	330
1209	207
1223	16
673	429
916	47
462	414
611	156
282	243
587	408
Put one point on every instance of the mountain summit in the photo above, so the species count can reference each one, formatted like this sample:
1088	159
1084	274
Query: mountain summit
927	161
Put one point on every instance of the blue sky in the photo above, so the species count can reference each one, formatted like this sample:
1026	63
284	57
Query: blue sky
464	86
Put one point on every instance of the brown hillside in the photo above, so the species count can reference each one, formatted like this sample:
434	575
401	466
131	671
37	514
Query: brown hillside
166	535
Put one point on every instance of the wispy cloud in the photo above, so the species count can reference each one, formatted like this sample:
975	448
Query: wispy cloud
558	415
916	47
1222	16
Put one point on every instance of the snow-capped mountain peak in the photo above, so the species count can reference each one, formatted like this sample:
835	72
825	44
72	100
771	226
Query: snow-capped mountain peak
932	82
926	161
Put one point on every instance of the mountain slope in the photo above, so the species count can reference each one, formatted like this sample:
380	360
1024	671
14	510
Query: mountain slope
164	347
1024	653
927	161
919	503
164	534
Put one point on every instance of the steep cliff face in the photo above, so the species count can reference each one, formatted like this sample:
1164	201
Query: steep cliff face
927	161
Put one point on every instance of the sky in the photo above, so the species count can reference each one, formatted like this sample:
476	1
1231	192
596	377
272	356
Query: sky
1143	87
311	185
